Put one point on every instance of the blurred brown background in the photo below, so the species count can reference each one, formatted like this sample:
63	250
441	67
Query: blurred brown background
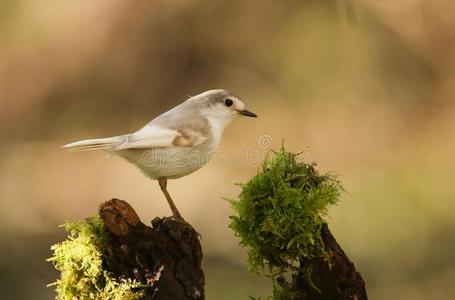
366	86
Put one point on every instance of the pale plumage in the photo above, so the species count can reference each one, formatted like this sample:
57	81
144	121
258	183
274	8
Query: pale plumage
178	142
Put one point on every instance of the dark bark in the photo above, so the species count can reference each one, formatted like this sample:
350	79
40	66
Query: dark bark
166	256
333	275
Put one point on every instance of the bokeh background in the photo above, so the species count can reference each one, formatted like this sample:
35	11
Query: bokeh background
366	87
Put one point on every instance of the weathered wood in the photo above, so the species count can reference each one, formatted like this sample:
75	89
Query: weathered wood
166	256
332	273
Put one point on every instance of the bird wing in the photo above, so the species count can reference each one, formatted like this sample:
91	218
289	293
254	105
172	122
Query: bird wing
153	136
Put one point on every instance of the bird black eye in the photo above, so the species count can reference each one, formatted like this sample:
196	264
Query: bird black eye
228	102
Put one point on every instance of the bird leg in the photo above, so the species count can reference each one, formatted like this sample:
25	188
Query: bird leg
163	184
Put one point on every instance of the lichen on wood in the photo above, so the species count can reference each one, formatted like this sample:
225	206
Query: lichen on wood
115	256
79	259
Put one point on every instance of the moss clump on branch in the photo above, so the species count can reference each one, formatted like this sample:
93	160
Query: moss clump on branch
80	262
279	213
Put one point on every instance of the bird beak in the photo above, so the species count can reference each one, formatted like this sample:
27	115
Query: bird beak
247	113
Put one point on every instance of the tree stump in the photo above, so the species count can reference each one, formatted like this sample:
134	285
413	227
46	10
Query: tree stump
165	257
333	274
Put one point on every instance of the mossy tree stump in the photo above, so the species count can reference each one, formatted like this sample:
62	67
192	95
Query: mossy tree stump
334	275
278	216
165	258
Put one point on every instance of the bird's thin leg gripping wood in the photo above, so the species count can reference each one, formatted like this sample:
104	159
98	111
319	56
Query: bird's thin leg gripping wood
163	186
166	257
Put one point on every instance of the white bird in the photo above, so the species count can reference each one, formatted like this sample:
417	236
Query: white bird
176	143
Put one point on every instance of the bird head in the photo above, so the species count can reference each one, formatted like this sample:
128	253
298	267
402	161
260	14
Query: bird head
222	105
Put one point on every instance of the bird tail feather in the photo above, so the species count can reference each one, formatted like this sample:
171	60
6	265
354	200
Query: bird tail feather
95	144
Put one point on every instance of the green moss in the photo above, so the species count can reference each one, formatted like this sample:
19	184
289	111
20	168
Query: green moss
284	291
80	262
279	213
